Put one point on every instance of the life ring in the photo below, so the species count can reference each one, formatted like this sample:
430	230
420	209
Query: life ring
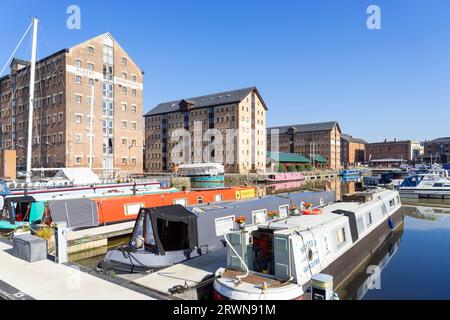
312	212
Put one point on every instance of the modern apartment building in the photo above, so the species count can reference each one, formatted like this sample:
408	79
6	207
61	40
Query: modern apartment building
62	108
353	150
406	150
227	128
314	139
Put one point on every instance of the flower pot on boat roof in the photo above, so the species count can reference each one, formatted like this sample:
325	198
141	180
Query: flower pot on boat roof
294	211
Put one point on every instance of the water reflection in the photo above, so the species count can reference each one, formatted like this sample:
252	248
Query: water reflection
412	263
368	275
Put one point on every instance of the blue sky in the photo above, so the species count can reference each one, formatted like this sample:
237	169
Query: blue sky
311	60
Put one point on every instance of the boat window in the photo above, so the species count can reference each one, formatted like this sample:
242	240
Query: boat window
259	216
182	202
218	198
21	211
223	225
392	203
438	185
360	225
340	237
132	208
284	211
369	220
199	199
149	236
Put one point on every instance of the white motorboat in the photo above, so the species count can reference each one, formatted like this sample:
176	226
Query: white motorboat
425	186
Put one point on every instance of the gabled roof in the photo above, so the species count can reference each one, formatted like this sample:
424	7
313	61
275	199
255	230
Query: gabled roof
116	43
350	139
322	126
211	100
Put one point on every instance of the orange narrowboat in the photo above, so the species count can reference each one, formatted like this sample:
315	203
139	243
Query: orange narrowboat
121	209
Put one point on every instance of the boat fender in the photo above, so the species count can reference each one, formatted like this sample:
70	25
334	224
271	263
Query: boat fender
391	223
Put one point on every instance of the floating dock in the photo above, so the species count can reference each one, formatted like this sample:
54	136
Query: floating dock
46	280
190	280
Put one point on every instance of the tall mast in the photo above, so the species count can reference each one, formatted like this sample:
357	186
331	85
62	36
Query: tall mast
31	101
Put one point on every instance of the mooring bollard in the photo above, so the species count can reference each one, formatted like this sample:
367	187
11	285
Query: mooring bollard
61	242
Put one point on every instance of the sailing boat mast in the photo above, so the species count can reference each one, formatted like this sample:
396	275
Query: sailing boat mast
31	101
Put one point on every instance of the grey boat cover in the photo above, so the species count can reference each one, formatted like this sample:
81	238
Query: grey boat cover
175	213
77	213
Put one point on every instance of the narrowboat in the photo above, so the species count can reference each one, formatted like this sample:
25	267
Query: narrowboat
368	276
277	260
164	236
285	177
108	208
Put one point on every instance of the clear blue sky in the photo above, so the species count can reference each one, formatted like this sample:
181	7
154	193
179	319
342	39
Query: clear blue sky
312	60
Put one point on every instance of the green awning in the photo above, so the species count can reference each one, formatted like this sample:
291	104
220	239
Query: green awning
287	157
318	158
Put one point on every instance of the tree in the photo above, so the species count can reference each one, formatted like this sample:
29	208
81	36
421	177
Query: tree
291	168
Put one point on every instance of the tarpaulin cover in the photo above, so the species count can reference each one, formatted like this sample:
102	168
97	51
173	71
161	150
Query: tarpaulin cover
175	213
77	213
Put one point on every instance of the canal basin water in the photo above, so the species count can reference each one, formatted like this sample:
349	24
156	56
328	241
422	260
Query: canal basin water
413	263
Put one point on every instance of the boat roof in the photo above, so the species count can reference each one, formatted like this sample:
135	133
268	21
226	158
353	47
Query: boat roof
272	202
330	213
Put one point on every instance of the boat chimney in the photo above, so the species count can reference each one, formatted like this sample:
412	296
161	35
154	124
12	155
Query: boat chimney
322	287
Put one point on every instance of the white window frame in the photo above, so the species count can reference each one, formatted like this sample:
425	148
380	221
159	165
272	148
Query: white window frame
255	215
220	229
280	211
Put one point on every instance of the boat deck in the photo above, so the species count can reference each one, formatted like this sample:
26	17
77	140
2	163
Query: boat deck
253	279
190	274
46	280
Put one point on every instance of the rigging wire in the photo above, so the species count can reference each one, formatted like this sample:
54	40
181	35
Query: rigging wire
15	50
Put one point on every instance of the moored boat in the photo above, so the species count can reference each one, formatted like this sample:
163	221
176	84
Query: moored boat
425	186
106	208
285	177
169	235
351	173
276	261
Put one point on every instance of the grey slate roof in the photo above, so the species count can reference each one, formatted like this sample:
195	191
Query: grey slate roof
19	61
210	100
441	140
349	138
322	126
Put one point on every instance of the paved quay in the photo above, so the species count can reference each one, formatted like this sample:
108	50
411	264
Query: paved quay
46	280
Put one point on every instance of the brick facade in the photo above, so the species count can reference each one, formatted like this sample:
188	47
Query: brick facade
63	108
